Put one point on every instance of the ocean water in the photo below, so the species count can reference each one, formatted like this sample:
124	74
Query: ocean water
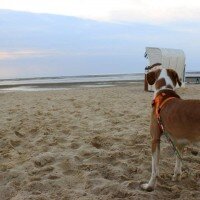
192	74
67	82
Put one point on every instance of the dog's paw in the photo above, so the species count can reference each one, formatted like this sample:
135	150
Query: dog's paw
146	187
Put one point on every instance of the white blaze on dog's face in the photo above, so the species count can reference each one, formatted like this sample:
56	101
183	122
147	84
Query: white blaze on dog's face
163	79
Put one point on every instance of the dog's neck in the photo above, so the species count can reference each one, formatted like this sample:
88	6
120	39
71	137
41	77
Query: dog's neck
163	82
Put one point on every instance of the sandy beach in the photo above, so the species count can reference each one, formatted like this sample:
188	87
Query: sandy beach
88	144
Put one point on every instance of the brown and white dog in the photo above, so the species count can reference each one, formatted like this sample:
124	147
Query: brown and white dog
180	118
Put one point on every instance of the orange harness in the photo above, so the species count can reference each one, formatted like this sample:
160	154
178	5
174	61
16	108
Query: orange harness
159	102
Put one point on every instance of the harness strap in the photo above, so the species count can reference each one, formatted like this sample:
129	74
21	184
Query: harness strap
162	105
169	139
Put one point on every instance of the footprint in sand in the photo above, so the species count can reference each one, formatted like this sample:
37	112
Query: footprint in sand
15	142
43	166
18	134
43	159
75	145
54	176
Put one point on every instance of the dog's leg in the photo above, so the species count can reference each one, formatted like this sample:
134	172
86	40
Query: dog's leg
155	162
178	167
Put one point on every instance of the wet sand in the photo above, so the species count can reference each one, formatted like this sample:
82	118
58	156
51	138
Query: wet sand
87	143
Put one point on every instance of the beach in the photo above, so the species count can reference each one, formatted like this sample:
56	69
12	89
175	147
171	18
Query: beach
87	143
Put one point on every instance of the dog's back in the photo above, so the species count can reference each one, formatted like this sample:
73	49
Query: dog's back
181	119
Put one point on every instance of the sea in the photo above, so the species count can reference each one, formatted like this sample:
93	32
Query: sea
68	82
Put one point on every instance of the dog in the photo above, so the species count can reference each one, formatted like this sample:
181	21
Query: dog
177	117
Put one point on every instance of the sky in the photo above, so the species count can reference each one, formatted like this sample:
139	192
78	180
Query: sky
154	11
79	37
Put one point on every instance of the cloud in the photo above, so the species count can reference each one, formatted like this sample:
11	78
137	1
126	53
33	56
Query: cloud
18	54
24	54
154	11
158	13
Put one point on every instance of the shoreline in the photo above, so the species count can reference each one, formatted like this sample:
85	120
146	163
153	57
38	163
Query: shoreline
75	85
70	85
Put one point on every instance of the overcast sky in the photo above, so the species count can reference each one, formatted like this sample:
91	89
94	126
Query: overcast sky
136	24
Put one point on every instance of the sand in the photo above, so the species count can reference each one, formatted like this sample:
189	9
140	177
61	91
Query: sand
87	143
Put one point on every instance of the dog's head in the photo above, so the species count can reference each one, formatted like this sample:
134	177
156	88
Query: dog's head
163	78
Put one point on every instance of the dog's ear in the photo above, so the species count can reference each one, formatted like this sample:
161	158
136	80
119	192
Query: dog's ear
174	77
152	76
